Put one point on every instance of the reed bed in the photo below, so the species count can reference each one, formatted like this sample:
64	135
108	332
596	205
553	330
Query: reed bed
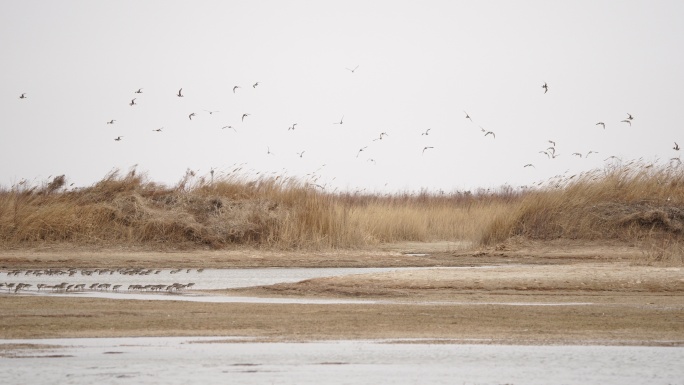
634	203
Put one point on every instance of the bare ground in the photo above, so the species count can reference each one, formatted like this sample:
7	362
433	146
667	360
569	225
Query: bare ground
538	293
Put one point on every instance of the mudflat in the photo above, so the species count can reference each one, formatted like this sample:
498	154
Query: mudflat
559	292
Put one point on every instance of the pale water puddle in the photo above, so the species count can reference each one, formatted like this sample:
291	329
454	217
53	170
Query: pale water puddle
196	360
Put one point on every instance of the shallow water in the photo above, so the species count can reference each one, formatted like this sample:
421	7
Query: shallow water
184	360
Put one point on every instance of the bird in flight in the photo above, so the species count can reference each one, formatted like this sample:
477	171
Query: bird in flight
425	148
591	152
133	103
629	116
211	112
159	129
468	116
255	85
191	115
224	127
676	147
139	91
381	135
545	87
23	96
529	165
360	151
626	121
552	143
268	151
341	121
111	121
235	88
292	127
180	93
577	154
491	133
352	70
244	116
613	157
601	124
427	132
300	154
118	138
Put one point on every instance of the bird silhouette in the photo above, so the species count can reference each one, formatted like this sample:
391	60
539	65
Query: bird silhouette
601	124
301	154
139	91
341	121
224	127
545	87
180	93
292	127
552	143
629	116
490	133
118	138
427	132
23	96
381	135
590	152
255	85
244	116
627	121
467	116
133	103
577	154
352	70
360	151
236	87
191	115
111	121
426	148
529	165
268	151
676	147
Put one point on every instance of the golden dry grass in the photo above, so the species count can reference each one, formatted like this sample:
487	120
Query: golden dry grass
635	203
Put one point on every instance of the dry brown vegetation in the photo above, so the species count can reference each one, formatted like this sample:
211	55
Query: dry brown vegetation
635	203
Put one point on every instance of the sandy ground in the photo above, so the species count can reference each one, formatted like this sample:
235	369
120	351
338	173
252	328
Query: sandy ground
531	293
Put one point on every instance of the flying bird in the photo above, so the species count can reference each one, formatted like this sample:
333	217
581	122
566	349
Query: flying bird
591	152
545	87
467	116
361	150
180	93
627	121
629	116
268	151
191	115
23	96
118	138
236	87
529	165
224	127
255	85
427	132
341	121
491	133
352	70
159	129
577	154
381	135
292	128
111	121
139	91
425	148
244	116
676	147
601	124
552	143
301	153
133	103
613	157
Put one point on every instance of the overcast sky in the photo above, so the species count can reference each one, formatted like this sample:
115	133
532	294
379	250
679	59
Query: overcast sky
417	66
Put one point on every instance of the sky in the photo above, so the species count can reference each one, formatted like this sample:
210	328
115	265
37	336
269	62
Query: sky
410	69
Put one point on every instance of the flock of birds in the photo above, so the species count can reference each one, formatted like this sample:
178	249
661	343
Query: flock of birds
16	287
550	152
